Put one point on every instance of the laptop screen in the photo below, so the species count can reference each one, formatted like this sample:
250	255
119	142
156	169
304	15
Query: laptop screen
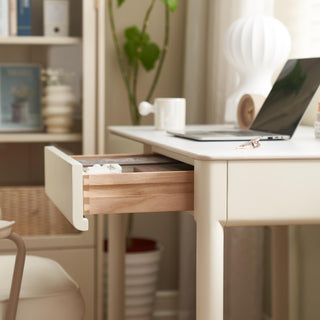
289	97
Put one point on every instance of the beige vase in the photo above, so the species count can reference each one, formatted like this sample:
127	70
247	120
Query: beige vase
58	108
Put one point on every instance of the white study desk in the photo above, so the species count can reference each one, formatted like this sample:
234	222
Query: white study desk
275	184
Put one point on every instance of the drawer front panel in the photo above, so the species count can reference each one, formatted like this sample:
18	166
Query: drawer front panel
151	184
273	192
63	185
138	192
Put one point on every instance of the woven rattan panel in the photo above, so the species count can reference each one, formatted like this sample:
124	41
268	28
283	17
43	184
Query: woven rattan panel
33	212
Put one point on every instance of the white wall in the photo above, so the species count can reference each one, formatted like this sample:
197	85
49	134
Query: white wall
162	226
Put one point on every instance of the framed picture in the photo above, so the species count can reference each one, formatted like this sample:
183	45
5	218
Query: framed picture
20	94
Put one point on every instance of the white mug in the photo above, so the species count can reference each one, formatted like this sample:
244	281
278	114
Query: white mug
169	113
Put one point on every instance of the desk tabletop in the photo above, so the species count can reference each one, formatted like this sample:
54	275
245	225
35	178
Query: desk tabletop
303	144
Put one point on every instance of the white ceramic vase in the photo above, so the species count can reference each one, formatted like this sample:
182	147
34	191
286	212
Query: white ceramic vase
255	46
141	278
58	110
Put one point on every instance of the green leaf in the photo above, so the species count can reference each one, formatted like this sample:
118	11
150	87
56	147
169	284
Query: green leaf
145	39
134	34
172	4
130	48
149	55
120	2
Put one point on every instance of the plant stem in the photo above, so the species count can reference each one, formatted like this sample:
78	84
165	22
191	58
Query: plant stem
143	32
135	116
163	53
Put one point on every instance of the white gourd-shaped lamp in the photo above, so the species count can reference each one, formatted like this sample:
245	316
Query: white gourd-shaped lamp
255	46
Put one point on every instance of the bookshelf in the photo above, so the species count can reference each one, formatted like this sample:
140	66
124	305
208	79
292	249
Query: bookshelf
40	40
39	137
21	153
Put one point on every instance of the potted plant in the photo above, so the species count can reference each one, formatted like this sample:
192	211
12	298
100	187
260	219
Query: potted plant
139	51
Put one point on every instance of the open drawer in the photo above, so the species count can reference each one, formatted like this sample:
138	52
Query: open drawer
148	183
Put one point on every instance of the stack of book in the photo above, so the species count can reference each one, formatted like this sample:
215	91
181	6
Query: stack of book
15	18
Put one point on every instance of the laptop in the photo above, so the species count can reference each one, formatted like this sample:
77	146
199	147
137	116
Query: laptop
282	110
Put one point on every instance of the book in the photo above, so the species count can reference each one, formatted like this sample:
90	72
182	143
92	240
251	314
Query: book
13	23
56	18
4	18
20	94
24	17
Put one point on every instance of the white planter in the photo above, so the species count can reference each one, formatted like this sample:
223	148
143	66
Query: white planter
141	277
58	108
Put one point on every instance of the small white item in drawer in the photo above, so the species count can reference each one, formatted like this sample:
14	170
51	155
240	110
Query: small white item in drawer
106	168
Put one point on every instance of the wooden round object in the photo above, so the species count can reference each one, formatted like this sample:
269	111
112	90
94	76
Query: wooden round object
248	108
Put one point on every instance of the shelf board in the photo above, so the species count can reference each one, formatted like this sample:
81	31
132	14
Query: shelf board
39	137
40	40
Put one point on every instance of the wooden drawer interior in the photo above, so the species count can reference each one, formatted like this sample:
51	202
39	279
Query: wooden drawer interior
148	183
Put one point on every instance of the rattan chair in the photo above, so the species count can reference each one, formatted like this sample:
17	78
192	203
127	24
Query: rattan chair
35	288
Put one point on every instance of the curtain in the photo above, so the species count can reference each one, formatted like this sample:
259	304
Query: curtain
208	80
208	77
303	22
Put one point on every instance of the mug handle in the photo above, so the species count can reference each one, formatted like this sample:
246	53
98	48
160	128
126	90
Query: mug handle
145	108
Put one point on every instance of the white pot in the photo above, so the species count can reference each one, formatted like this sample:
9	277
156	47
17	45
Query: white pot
58	108
141	277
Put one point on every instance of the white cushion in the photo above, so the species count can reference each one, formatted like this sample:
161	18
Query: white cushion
47	291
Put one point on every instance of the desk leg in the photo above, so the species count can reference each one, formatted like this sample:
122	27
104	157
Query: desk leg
279	273
210	215
116	262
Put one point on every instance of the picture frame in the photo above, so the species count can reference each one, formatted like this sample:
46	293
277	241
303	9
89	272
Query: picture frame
20	97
